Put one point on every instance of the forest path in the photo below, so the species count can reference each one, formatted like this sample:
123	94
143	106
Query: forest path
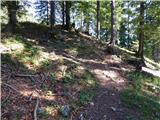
109	70
107	105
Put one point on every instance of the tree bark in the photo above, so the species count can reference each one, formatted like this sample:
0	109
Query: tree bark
12	7
52	3
156	52
63	13
141	31
128	2
113	24
68	5
47	12
81	26
98	19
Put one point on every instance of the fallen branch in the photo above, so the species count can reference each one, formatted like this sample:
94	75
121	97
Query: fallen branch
105	92
35	110
10	87
23	75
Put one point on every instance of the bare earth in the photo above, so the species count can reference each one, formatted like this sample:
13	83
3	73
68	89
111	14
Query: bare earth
107	104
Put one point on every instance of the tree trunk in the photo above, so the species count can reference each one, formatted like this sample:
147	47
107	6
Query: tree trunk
47	13
81	26
156	52
98	19
52	14
113	25
141	31
12	8
87	24
128	26
68	5
63	13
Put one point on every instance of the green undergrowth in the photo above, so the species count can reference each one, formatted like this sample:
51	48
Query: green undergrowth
143	94
26	52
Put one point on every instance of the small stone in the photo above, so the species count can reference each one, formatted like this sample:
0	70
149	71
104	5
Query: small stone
112	94
92	103
81	117
105	116
65	110
113	108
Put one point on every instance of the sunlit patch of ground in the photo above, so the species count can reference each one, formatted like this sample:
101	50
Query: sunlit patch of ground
55	80
66	71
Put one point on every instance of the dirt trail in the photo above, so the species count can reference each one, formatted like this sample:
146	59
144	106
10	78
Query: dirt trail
107	104
110	77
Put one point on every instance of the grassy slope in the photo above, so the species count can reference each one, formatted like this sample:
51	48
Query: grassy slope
143	91
23	52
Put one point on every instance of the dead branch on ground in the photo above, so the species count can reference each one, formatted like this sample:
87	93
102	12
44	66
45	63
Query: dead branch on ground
35	110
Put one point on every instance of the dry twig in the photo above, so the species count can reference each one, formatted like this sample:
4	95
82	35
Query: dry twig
10	87
35	110
23	75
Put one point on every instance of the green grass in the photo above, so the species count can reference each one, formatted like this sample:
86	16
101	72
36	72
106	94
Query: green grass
148	107
140	96
46	64
85	96
89	79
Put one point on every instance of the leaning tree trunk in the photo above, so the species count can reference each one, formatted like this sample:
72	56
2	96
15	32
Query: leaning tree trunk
141	31
113	25
12	8
98	19
68	5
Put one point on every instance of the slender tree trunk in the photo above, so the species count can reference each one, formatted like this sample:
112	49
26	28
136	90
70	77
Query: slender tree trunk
156	52
98	19
81	21
47	12
52	3
128	26
113	25
87	26
63	13
68	5
141	31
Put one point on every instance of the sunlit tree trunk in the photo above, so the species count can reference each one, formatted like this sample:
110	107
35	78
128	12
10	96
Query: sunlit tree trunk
141	31
88	24
98	19
113	24
81	21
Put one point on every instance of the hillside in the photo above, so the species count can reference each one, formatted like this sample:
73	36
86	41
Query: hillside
70	76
